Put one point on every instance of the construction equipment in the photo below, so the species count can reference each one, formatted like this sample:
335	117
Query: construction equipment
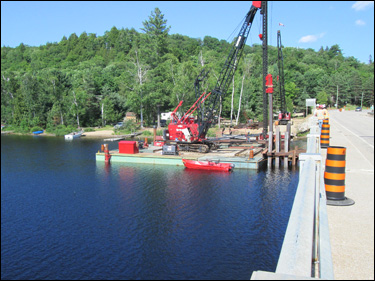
284	116
190	134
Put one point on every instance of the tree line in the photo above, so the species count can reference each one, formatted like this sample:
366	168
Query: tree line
91	80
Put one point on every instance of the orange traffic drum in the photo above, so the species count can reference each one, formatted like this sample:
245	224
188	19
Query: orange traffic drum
334	176
324	136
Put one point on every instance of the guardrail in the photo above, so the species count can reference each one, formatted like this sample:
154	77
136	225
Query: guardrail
306	250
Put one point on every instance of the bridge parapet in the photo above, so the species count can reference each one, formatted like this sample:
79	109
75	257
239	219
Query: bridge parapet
306	250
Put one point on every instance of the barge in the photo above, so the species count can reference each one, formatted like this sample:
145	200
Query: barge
129	152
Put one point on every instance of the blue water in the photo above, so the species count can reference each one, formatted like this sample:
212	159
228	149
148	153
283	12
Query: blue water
66	216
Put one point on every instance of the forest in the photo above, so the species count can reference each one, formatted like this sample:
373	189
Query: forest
89	80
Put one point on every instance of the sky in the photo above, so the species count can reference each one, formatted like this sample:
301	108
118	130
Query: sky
304	24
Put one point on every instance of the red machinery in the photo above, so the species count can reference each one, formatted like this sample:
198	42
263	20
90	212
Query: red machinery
190	134
186	129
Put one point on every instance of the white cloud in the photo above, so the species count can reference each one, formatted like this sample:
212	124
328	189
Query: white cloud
360	22
310	38
362	5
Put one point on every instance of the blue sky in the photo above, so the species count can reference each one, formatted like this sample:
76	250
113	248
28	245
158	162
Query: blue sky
307	24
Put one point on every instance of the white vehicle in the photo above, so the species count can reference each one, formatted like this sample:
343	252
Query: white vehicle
167	116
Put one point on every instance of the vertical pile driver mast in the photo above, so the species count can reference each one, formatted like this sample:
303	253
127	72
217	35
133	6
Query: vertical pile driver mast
191	135
227	72
267	83
284	116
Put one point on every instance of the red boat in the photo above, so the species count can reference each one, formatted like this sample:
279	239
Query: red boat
208	165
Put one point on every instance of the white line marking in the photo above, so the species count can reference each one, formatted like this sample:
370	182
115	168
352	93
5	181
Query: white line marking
355	135
356	146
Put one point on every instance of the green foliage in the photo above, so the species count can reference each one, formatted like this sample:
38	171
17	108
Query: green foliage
89	129
159	132
211	132
147	133
322	98
289	104
61	130
129	127
90	80
36	128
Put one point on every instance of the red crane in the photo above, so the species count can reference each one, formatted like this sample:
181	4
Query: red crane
190	134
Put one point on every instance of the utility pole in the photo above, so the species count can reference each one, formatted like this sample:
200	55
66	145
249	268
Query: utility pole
337	97
361	99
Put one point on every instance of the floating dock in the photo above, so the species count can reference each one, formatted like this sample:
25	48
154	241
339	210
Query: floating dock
153	155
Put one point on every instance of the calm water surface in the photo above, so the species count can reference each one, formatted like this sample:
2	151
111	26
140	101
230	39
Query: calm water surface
65	216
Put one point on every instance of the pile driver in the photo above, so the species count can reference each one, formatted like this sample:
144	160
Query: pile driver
190	134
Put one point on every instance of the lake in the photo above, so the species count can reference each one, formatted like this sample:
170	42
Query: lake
66	216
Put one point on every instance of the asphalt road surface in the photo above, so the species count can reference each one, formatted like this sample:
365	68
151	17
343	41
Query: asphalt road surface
358	127
352	227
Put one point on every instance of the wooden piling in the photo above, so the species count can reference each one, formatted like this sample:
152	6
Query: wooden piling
270	142
287	143
294	156
277	158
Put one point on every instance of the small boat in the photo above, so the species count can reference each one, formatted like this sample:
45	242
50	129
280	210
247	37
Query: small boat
73	135
208	165
38	132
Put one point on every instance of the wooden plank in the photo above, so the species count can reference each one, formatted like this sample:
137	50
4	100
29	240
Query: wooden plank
239	152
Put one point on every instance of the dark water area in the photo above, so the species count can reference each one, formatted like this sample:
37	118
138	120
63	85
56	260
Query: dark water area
66	216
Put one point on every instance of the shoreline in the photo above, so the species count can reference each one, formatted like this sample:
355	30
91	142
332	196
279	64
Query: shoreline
103	134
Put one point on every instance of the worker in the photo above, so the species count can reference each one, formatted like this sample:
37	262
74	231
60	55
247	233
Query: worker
319	113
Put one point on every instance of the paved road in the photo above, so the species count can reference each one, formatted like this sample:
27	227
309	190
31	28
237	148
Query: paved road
358	128
352	227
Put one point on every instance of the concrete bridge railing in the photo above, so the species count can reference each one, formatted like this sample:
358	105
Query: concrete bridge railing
306	250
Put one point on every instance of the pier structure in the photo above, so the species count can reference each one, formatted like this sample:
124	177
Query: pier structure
306	250
278	148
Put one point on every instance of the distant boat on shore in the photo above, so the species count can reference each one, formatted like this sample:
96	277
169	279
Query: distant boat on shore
73	135
38	132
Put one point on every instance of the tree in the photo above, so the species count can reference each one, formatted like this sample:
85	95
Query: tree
322	98
127	70
140	78
334	51
157	30
301	101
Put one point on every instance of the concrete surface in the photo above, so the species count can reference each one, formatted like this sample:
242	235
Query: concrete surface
352	227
